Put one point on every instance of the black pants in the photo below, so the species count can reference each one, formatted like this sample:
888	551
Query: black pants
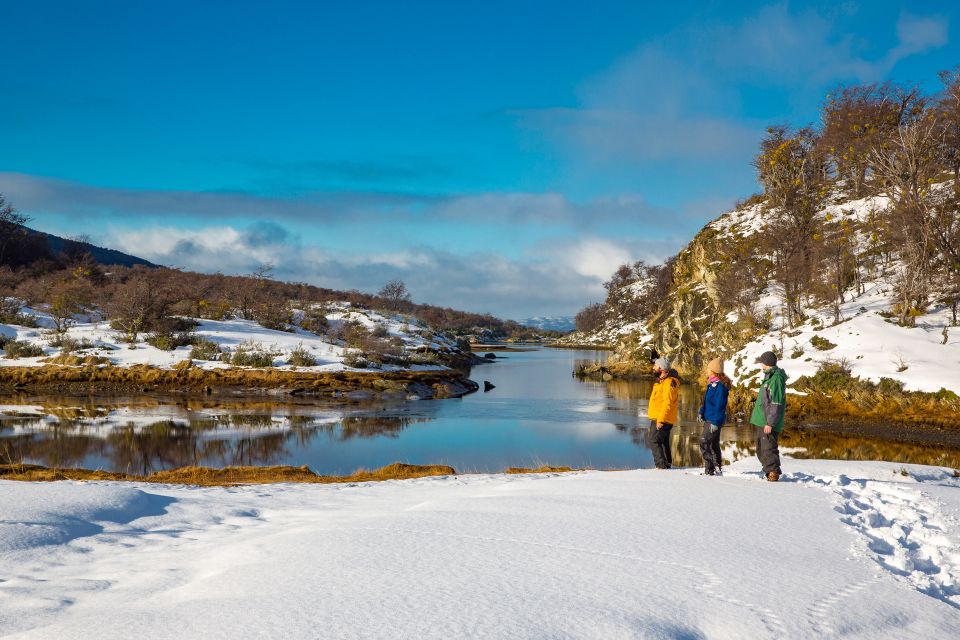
659	442
710	448
767	450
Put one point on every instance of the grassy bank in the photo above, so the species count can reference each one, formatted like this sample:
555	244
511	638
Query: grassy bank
580	347
227	476
93	379
830	397
615	371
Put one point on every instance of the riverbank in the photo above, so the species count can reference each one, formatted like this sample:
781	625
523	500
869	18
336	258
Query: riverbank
580	347
186	378
866	549
231	476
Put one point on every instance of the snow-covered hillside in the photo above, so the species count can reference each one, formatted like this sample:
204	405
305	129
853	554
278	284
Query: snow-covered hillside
607	335
867	341
422	346
836	549
699	320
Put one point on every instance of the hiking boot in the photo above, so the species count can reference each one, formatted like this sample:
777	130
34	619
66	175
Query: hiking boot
773	476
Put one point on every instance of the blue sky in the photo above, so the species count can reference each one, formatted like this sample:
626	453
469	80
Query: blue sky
497	156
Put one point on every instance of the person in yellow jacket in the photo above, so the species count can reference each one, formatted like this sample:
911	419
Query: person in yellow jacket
662	411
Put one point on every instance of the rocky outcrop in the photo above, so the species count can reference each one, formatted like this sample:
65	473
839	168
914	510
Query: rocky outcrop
695	323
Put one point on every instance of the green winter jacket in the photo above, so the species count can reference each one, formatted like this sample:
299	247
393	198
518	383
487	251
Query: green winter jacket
771	401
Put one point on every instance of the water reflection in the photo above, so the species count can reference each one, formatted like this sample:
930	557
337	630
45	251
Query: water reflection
538	414
143	435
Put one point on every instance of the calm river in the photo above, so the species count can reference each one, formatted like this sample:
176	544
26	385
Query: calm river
537	414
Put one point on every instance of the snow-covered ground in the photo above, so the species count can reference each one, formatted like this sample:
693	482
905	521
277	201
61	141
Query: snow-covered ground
873	346
839	549
328	352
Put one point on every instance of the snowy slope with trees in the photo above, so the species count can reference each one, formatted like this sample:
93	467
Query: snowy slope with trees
322	338
859	550
849	261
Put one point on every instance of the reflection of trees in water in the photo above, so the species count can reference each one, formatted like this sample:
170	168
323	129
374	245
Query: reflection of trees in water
161	445
352	427
253	439
834	446
53	447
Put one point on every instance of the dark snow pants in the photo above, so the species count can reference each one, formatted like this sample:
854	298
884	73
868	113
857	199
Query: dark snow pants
767	450
659	442
710	448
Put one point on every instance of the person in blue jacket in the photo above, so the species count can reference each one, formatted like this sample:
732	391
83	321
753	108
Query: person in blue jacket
713	414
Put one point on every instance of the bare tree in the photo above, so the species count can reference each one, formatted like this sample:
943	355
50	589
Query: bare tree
11	227
590	318
908	164
856	121
139	304
396	294
791	168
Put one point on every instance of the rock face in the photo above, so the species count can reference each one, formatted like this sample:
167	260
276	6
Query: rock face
695	323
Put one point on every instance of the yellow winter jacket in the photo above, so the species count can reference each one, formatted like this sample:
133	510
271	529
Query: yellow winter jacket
663	399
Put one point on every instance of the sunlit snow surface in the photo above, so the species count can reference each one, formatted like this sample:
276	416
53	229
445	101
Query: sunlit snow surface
854	550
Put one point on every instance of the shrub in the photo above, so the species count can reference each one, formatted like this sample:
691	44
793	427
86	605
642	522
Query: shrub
750	201
301	357
10	313
945	395
21	349
356	360
219	310
353	333
315	321
796	353
889	386
425	357
140	304
833	375
901	364
69	344
205	350
251	356
380	331
170	341
822	344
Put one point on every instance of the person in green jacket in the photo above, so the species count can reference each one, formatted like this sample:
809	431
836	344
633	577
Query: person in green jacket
768	414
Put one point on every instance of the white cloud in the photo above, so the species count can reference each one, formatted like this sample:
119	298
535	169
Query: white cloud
557	277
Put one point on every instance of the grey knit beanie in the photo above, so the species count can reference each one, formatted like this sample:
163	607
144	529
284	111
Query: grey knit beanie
662	363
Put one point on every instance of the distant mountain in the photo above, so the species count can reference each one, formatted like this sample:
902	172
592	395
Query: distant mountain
102	255
550	323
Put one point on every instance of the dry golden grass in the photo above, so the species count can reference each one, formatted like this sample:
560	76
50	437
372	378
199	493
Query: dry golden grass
581	347
206	476
541	469
73	360
184	377
906	409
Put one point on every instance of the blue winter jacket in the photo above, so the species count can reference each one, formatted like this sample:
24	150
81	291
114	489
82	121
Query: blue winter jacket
714	408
